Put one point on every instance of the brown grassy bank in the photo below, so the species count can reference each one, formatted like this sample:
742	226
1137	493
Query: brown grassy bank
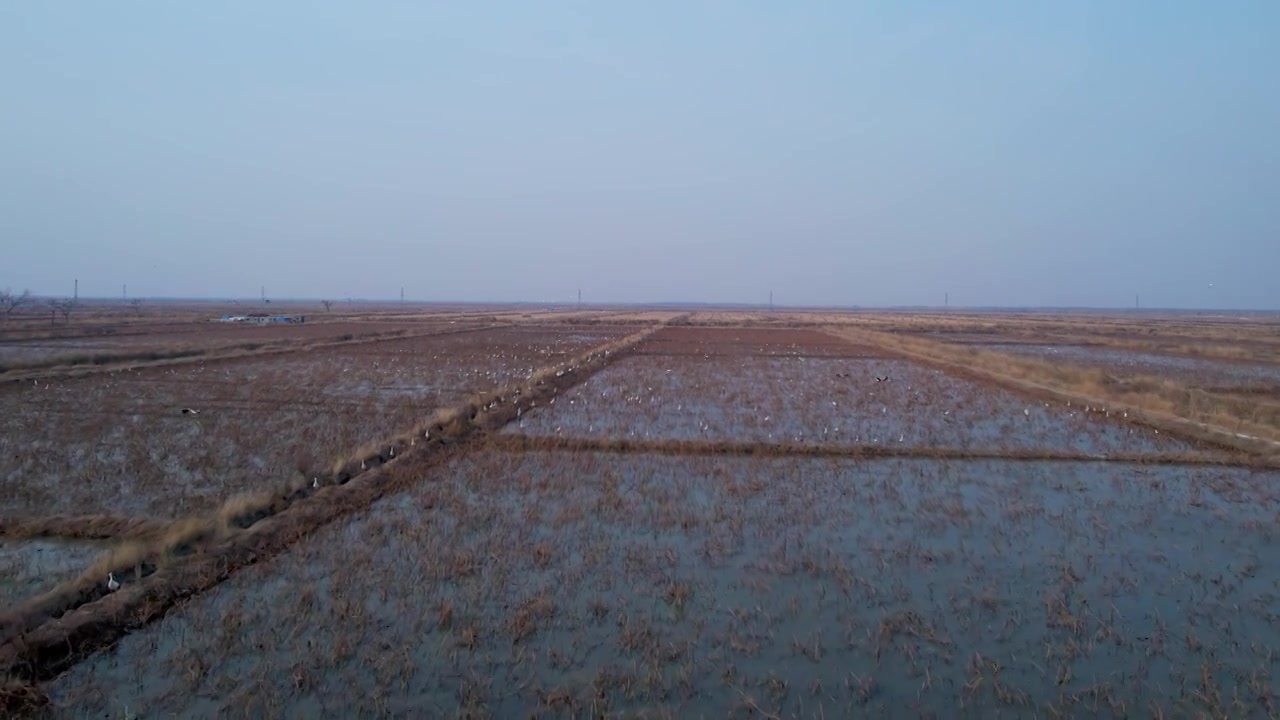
81	527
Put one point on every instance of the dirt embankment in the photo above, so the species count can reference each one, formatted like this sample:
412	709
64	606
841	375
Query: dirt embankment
525	443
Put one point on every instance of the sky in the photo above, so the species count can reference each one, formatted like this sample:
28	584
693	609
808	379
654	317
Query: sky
832	153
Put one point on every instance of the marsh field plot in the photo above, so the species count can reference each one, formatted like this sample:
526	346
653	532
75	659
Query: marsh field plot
1199	372
712	522
120	442
598	584
65	346
749	386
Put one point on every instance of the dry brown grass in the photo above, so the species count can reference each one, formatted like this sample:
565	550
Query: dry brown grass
81	527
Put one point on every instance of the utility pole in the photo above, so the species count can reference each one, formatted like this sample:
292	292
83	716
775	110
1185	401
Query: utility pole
76	297
264	293
401	296
946	300
124	292
771	300
579	298
1137	302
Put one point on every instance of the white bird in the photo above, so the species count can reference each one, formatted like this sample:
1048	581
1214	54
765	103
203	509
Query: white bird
1026	411
363	466
190	411
112	583
315	482
393	451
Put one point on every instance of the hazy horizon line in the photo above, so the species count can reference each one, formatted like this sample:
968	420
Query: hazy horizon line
657	304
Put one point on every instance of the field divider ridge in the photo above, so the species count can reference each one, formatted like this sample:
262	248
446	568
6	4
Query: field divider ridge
528	443
81	527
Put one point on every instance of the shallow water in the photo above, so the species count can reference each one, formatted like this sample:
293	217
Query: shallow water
510	584
29	567
1196	370
811	400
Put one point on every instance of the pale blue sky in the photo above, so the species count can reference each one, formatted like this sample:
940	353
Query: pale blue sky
1010	153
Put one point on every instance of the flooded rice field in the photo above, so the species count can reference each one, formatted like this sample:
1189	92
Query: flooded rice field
121	442
585	584
853	401
29	567
705	342
79	344
750	555
1196	371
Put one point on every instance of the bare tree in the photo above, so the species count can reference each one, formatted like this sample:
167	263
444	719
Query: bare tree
137	306
327	304
66	307
11	301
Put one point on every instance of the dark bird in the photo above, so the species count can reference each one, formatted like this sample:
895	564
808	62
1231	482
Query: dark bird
882	379
190	411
